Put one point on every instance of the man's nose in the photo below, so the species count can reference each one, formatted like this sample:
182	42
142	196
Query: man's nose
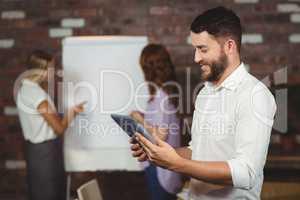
197	57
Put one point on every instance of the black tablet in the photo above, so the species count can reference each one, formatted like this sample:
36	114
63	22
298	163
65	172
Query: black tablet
130	126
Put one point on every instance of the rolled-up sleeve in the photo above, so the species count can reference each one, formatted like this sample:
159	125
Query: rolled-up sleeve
255	114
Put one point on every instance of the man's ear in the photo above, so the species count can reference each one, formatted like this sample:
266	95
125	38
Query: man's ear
230	46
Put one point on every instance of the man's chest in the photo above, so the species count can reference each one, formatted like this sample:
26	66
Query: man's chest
214	123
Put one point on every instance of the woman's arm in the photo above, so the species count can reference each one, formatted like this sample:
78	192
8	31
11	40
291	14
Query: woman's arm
58	124
161	132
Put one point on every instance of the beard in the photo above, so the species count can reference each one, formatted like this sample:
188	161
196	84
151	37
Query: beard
216	68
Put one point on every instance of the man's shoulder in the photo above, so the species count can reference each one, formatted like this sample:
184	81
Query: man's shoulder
251	84
253	90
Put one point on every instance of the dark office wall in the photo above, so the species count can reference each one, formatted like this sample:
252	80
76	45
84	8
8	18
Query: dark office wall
271	42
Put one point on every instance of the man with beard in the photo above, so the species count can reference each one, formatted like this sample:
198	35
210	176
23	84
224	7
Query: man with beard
232	120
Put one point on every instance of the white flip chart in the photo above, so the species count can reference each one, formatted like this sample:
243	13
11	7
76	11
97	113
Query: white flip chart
104	71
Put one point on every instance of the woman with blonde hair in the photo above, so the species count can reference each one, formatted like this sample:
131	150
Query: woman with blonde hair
42	126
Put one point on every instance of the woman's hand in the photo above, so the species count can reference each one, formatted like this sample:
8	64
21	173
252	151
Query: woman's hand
137	116
161	132
79	108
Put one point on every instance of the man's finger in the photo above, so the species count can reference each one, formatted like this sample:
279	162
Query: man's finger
157	140
139	147
138	153
143	157
146	143
132	141
135	147
145	149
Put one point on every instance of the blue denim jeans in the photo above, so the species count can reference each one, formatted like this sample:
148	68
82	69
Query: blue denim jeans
157	192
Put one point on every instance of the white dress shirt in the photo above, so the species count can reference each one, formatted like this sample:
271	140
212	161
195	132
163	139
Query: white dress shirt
232	123
35	127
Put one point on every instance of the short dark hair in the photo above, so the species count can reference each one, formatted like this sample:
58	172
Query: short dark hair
219	22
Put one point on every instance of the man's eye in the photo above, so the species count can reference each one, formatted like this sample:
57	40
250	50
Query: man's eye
204	50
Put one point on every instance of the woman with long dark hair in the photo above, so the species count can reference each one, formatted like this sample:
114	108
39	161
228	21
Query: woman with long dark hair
160	117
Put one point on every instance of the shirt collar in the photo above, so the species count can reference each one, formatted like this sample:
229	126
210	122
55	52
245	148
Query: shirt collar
232	81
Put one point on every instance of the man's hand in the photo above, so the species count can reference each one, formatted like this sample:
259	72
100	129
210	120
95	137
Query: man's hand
161	153
138	151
